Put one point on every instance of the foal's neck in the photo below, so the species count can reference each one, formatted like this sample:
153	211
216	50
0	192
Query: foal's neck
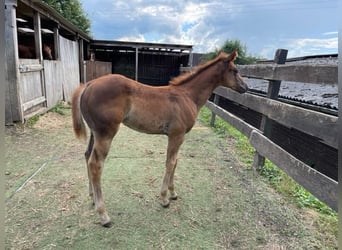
201	86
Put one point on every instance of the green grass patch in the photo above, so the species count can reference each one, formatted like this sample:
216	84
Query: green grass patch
32	121
60	108
273	175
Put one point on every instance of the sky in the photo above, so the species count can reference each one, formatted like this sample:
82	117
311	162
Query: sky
303	27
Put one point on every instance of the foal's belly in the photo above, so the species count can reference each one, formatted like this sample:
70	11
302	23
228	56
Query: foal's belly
147	122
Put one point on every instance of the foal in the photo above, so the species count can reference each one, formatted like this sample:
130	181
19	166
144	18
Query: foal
172	110
29	51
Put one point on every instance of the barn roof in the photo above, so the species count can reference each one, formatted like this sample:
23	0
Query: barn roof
142	46
49	16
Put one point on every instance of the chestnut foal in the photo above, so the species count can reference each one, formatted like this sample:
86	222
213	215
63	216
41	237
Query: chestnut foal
106	102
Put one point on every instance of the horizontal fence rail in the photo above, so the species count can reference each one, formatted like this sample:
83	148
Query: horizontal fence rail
312	124
293	73
288	115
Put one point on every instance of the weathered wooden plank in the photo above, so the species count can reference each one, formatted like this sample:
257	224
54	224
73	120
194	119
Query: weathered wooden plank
38	35
33	103
71	74
322	74
266	125
30	86
13	111
56	42
95	69
324	188
314	123
233	120
213	115
81	60
53	71
26	68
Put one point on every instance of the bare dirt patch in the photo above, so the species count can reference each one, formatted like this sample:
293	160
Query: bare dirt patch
50	121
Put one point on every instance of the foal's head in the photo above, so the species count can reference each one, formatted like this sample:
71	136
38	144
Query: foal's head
231	77
47	52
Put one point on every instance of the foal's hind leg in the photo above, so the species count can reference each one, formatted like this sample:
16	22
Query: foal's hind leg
95	166
173	194
174	144
87	155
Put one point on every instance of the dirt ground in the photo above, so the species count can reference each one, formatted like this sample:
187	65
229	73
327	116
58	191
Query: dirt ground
222	204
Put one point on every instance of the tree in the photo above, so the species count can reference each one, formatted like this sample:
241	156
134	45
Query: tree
228	47
72	11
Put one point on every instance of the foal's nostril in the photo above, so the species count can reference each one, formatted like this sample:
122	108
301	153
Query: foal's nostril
243	88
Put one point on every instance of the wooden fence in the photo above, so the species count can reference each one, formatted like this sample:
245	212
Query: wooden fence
317	125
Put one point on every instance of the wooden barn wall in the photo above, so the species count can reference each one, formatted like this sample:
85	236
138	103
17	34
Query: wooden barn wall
95	69
123	63
70	66
62	76
153	69
53	71
31	86
30	82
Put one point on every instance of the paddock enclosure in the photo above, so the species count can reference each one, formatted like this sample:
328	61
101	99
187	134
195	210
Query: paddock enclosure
301	139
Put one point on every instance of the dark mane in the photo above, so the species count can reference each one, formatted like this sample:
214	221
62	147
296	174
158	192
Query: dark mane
185	77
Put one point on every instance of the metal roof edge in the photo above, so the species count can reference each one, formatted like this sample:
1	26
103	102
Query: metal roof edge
41	7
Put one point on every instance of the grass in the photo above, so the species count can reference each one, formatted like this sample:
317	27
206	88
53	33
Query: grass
32	121
221	204
274	176
60	108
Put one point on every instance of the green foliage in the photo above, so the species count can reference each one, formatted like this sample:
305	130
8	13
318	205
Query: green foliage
59	108
72	11
228	47
32	121
273	174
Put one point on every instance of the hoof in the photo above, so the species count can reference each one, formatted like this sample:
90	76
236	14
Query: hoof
165	203
108	224
174	198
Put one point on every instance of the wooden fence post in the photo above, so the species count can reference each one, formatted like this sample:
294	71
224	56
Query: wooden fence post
213	115
272	93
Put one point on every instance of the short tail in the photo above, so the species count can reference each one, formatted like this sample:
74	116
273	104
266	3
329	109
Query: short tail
77	120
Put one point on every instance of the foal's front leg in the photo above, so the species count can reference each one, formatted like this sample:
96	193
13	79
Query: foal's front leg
174	143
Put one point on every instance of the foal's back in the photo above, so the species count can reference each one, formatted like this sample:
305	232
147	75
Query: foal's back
112	99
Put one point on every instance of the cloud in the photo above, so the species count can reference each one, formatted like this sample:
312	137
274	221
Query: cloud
330	33
309	46
208	24
185	22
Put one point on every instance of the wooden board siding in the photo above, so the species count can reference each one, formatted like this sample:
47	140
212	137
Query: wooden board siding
44	84
53	72
30	81
95	69
70	67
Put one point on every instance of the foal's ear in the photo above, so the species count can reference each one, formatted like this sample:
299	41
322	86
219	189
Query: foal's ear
220	52
233	55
